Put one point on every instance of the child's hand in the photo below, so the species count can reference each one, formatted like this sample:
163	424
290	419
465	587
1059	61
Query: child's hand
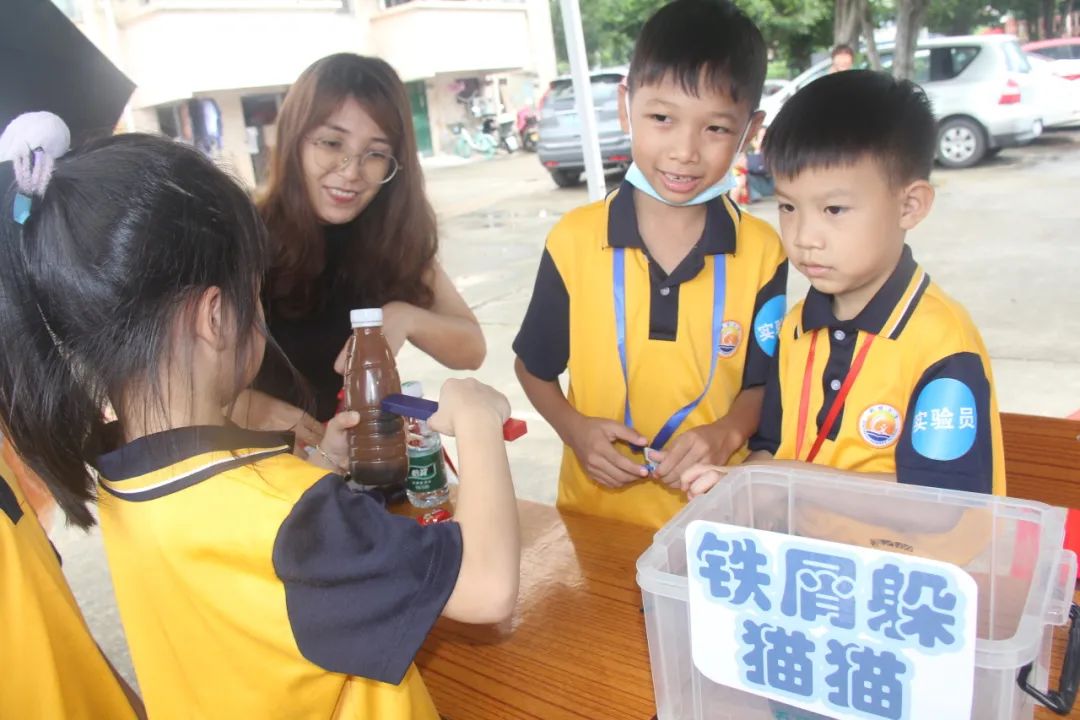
463	400
332	452
592	440
700	479
713	444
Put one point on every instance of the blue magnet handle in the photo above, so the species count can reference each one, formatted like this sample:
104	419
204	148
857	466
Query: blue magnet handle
421	409
408	406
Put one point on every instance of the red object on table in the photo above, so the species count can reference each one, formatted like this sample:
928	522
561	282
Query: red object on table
437	515
513	429
1072	533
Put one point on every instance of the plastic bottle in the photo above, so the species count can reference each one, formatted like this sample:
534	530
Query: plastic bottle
426	485
377	454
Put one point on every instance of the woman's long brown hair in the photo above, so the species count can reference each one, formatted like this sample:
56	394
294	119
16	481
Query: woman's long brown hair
394	240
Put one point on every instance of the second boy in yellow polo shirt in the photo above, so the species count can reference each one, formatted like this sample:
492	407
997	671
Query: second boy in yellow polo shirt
878	370
920	403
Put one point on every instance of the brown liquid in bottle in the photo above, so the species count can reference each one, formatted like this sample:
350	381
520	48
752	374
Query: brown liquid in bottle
377	448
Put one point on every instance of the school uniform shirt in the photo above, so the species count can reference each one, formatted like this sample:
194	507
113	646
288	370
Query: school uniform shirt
52	668
252	584
669	325
922	406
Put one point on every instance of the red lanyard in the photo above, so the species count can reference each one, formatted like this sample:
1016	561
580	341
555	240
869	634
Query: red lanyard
838	401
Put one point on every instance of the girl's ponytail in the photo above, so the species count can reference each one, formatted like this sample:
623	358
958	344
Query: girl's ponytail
39	391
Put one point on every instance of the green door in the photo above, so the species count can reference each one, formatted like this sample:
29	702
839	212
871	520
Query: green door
421	121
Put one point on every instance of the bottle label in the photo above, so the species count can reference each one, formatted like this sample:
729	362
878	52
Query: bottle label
435	516
426	471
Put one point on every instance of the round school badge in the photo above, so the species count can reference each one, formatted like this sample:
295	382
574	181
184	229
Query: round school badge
880	425
730	337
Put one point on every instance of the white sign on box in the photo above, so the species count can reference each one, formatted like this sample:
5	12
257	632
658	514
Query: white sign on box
844	631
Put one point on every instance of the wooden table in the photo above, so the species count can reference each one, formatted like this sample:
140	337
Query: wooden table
576	648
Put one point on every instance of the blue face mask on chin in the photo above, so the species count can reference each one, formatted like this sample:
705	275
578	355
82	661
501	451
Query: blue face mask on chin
635	177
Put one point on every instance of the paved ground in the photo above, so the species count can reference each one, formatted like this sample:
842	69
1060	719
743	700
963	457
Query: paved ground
1002	239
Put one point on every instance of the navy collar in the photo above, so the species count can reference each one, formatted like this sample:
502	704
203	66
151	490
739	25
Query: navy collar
160	450
817	310
718	238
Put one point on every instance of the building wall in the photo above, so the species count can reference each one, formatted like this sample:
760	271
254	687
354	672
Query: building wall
425	38
223	49
544	62
172	54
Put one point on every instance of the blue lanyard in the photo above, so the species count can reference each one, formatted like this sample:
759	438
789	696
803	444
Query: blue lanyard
618	267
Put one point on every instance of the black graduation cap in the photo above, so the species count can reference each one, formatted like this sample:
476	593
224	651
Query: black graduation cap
46	63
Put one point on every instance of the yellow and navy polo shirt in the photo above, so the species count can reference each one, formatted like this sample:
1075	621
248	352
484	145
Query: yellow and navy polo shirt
571	325
923	405
252	584
52	667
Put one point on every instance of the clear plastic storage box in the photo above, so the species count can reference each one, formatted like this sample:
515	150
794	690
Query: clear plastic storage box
1012	548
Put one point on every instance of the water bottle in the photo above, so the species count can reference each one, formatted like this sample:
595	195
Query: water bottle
426	485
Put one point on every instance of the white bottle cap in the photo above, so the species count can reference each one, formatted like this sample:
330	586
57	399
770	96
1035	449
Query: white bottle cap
412	388
366	317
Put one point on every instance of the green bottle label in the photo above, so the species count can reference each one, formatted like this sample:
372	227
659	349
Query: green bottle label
426	472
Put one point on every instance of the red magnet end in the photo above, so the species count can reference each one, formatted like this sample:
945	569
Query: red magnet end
513	429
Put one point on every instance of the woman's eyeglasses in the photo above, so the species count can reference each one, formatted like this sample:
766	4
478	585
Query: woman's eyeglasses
376	167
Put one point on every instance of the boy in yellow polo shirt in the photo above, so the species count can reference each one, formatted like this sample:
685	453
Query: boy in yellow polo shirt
879	371
663	301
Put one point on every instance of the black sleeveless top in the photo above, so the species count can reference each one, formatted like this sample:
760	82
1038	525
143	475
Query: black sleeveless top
312	342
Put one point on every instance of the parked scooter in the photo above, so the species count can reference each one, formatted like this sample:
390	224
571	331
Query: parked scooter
501	132
467	143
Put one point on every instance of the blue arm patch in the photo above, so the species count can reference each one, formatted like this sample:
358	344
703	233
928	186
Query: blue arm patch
770	307
948	440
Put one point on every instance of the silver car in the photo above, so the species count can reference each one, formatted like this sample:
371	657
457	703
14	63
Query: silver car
559	146
981	87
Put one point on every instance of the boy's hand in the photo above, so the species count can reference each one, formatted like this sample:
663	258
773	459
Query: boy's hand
592	440
700	479
462	400
332	452
713	444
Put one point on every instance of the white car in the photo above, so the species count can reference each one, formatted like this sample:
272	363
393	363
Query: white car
1063	54
981	88
1059	98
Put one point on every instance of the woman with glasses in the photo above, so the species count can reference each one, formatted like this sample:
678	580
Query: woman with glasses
352	228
